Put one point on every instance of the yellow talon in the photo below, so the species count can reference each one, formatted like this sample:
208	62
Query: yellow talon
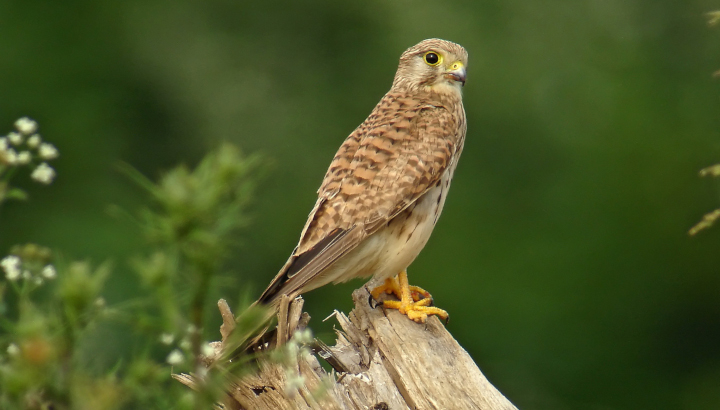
414	301
392	287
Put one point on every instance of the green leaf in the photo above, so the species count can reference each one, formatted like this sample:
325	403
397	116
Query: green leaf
16	193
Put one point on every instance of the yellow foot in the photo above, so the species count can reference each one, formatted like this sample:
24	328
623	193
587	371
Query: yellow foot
392	287
414	301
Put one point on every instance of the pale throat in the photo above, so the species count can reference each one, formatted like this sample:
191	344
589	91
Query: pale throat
446	88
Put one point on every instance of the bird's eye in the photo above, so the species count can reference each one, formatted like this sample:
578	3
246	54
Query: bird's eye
432	58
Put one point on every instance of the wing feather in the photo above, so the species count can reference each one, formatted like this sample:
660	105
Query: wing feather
381	169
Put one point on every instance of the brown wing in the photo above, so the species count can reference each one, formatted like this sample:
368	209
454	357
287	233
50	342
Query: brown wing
389	162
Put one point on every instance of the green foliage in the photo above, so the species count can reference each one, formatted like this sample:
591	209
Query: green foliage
708	219
562	253
24	148
197	208
191	227
53	310
41	334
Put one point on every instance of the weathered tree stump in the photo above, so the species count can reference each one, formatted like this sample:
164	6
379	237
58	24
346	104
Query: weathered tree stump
381	360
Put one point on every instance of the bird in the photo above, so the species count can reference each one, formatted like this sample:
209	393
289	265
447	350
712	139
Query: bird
386	186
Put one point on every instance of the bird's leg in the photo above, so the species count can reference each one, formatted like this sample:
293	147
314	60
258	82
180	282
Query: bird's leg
414	301
392	287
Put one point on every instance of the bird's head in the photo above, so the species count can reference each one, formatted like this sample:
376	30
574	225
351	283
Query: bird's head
432	65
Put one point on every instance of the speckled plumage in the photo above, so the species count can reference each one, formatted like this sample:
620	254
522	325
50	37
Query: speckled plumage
386	186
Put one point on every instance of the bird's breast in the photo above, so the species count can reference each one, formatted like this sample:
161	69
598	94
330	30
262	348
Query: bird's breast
396	245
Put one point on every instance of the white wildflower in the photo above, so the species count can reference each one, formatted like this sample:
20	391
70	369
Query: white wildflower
175	357
34	141
38	280
24	157
49	272
3	144
99	302
303	336
13	349
292	348
15	138
26	274
207	350
167	338
293	383
47	151
26	125
185	344
10	156
12	266
44	174
12	275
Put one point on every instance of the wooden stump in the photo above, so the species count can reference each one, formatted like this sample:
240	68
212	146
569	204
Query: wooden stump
381	360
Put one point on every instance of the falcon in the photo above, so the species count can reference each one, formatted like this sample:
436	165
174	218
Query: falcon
386	186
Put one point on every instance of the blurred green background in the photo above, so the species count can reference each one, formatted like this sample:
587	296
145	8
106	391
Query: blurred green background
562	254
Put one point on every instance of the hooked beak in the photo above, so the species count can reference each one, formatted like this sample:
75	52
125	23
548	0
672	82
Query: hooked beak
457	72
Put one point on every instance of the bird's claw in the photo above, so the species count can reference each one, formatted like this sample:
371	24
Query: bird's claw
415	302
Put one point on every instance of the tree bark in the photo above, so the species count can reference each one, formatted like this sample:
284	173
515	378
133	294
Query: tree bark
381	360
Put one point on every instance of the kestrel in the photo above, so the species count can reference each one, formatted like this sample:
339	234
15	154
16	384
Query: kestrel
386	186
